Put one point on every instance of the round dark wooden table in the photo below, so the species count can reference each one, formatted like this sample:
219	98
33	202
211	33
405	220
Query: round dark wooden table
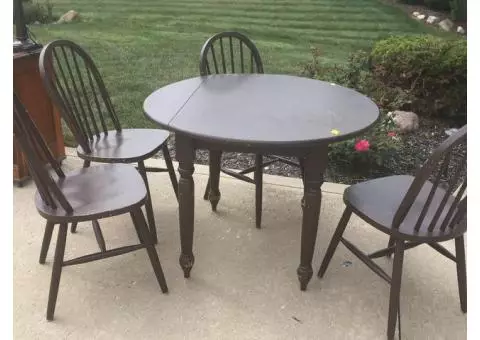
260	114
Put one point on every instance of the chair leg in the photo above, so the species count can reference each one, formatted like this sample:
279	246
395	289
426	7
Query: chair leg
56	270
99	236
146	239
215	159
148	204
335	241
171	170
73	228
207	190
391	242
47	237
395	288
258	178
461	272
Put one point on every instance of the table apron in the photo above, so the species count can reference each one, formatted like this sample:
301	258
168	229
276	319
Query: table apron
280	150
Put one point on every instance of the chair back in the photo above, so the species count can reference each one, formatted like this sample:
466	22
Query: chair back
38	155
229	52
445	205
77	89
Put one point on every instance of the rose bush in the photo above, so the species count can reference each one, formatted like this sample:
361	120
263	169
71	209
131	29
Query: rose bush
372	149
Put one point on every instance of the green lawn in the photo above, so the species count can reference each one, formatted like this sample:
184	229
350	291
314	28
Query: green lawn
140	45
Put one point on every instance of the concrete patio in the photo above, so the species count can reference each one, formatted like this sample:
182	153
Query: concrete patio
243	284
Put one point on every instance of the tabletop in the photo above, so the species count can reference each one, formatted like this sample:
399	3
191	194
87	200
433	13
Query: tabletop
261	109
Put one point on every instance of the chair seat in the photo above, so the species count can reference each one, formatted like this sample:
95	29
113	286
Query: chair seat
376	201
129	146
96	192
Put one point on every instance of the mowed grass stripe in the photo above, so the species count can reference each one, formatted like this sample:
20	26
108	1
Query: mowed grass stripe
328	24
298	37
144	44
311	18
118	7
263	5
310	13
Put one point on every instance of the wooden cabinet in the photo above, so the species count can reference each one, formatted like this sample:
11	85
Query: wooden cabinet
28	86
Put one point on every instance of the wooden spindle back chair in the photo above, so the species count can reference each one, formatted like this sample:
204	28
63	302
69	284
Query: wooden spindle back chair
234	53
39	157
229	52
72	79
446	204
84	195
76	87
426	209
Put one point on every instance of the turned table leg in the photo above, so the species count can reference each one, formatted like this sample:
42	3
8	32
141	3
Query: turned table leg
315	164
185	156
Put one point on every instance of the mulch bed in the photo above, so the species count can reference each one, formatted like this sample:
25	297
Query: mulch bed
417	146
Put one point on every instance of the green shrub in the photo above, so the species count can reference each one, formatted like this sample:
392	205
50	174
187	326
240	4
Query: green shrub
38	11
459	9
353	74
441	5
423	74
356	74
413	2
430	71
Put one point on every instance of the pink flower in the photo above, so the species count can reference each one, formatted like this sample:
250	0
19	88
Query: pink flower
392	134
362	145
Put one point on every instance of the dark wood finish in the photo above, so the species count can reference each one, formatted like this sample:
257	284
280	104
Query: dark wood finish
461	272
170	169
47	237
264	115
242	53
239	47
258	178
238	55
289	112
77	88
56	270
186	189
213	191
99	236
28	86
146	239
148	205
426	209
88	194
394	305
315	165
337	236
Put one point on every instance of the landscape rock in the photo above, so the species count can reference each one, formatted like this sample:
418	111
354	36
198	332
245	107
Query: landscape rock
432	19
68	17
451	131
405	121
416	14
460	30
421	17
446	25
